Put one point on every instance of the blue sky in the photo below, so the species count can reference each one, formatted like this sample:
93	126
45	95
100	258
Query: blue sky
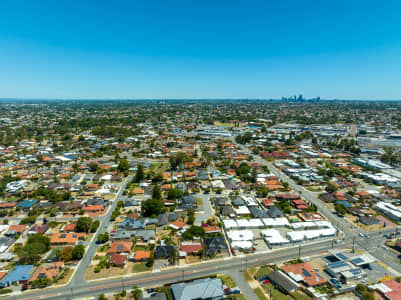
200	49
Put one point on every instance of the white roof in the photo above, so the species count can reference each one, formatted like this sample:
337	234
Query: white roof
273	237
310	234
241	244
276	222
228	224
320	224
242	210
250	201
390	208
3	227
106	177
240	235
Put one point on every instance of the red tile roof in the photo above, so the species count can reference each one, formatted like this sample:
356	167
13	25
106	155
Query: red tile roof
191	248
118	259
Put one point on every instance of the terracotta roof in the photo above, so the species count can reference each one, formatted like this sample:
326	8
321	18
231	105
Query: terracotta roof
66	238
179	224
137	191
141	254
120	247
48	271
191	248
118	259
6	205
2	274
17	228
211	229
310	277
94	208
70	227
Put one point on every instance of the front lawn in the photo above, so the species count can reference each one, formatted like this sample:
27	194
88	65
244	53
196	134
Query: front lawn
263	271
140	267
276	293
258	291
227	281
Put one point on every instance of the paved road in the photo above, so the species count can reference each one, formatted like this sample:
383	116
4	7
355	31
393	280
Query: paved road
79	288
206	208
242	283
371	242
78	277
83	289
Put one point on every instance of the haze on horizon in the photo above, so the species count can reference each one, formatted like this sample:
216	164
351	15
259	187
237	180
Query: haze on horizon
210	49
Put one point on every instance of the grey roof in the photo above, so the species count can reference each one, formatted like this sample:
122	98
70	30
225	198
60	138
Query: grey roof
131	224
238	202
257	212
274	212
230	184
162	220
146	235
164	251
282	280
208	288
215	244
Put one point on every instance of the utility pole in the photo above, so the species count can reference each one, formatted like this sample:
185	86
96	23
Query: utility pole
246	263
71	293
332	243
353	245
299	251
122	279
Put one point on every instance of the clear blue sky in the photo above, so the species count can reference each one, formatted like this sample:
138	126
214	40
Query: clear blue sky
200	49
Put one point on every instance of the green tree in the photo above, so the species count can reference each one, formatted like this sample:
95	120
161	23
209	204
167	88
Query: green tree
78	252
102	297
36	244
95	226
136	293
174	194
66	253
140	174
156	192
83	224
152	207
150	261
93	167
123	166
330	188
103	238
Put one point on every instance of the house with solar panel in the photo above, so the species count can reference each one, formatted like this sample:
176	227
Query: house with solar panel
348	267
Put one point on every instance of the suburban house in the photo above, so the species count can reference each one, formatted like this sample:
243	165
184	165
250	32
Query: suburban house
120	247
207	288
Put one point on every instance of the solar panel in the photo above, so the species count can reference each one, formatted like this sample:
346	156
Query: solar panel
337	264
356	271
342	256
357	261
306	273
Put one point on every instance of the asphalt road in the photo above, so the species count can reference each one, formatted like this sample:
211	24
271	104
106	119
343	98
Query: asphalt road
78	277
371	241
78	288
207	210
84	289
